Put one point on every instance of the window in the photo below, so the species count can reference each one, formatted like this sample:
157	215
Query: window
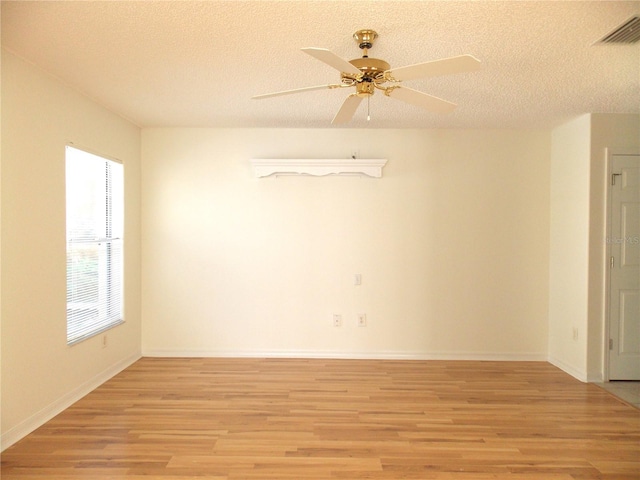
95	222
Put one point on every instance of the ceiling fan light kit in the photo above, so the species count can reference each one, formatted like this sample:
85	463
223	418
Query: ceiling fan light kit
368	74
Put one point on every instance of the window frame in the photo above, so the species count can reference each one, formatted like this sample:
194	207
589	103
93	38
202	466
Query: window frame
102	298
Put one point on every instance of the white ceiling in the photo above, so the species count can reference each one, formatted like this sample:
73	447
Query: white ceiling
196	64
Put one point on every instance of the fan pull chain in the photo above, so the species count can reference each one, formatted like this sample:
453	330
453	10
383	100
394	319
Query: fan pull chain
368	112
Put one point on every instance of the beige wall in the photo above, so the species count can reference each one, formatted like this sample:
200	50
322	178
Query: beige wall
577	282
569	245
452	244
40	373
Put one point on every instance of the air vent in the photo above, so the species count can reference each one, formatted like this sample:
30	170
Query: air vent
628	32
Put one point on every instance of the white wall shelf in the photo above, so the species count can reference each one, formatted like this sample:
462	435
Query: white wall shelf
318	167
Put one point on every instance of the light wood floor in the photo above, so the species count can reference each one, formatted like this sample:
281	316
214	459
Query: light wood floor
227	419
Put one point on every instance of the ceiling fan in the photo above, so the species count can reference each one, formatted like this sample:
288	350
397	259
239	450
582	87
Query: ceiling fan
368	74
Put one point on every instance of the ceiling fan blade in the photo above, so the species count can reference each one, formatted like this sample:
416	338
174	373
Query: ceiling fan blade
347	110
333	60
295	90
428	102
445	66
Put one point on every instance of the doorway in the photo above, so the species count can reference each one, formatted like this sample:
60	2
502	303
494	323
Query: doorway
623	241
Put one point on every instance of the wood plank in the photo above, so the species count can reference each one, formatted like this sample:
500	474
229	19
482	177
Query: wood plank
230	419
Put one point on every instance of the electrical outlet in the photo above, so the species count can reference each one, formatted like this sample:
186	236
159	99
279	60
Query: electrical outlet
357	279
337	320
362	319
575	333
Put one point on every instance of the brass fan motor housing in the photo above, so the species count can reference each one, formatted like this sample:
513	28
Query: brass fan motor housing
372	73
370	67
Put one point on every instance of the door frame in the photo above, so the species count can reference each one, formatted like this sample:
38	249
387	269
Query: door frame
609	154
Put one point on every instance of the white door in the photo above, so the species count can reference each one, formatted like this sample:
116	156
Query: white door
624	250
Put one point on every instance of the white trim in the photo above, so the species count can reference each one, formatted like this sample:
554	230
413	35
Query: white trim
38	419
318	167
91	151
327	354
570	369
608	154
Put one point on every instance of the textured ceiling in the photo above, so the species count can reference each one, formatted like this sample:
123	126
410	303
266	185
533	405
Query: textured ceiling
196	64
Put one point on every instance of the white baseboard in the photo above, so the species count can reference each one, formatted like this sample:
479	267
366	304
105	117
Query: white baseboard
382	355
570	369
38	419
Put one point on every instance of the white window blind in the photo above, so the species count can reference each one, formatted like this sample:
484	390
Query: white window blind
95	223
